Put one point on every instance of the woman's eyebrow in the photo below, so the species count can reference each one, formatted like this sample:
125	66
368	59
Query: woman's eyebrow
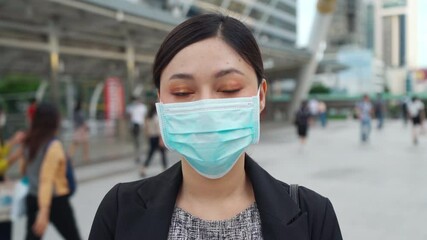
182	76
224	72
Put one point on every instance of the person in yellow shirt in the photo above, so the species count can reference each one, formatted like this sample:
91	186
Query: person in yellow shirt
5	148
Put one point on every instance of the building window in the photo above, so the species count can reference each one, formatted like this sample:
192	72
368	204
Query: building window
237	7
276	22
256	14
214	2
402	40
393	3
286	8
269	39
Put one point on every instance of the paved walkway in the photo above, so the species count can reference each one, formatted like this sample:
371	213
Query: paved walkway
376	188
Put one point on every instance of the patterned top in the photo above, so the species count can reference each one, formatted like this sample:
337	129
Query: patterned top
245	225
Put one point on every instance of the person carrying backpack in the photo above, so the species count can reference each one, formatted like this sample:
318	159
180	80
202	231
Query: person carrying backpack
302	121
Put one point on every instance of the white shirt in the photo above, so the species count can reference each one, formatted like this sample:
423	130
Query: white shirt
414	108
137	112
313	105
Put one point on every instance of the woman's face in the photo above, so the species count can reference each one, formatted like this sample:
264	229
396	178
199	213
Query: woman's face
208	69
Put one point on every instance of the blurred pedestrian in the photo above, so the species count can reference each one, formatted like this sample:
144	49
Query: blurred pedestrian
7	157
416	111
323	113
302	122
313	107
81	133
379	111
137	112
44	164
152	130
211	90
31	110
405	101
364	112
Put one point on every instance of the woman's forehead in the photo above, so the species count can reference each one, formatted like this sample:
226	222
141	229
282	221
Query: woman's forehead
206	57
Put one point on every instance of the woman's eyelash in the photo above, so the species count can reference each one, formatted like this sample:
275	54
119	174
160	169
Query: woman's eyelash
181	94
230	91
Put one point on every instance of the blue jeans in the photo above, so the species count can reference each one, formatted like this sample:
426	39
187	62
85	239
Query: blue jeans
380	119
323	119
365	129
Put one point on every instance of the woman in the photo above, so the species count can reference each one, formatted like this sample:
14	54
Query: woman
211	90
45	166
152	129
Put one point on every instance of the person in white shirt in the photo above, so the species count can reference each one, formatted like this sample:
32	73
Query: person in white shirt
136	112
416	111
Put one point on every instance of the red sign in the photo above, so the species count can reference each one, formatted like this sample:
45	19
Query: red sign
114	97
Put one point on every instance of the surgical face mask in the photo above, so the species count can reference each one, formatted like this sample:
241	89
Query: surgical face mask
211	134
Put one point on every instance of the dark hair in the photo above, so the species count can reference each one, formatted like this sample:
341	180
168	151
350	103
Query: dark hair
43	128
205	26
304	105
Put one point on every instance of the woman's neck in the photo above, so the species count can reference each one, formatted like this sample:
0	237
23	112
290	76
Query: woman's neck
200	196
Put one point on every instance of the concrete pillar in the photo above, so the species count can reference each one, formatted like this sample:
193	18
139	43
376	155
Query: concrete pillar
54	62
130	63
325	9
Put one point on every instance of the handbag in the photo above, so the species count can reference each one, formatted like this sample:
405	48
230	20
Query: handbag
72	184
19	206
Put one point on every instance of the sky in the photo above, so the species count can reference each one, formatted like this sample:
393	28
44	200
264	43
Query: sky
307	10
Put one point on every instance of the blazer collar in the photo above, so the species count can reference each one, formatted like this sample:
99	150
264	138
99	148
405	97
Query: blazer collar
159	195
280	216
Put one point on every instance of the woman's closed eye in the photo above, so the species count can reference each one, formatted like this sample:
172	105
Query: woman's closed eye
230	90
182	93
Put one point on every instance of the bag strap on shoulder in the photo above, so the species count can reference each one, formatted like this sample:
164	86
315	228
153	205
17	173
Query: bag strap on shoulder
294	194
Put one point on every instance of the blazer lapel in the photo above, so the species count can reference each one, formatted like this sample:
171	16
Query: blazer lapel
159	203
281	218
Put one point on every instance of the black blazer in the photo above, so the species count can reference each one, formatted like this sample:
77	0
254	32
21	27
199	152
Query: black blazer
143	209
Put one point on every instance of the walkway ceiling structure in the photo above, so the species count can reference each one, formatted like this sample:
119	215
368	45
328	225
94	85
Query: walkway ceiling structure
97	38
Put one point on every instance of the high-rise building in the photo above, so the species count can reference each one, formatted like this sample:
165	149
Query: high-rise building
396	39
348	26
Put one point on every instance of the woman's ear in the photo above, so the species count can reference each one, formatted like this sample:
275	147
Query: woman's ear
158	95
262	95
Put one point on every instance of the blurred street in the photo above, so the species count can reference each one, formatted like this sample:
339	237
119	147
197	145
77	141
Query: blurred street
365	182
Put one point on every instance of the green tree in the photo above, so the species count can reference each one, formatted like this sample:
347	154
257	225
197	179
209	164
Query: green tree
319	88
19	83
